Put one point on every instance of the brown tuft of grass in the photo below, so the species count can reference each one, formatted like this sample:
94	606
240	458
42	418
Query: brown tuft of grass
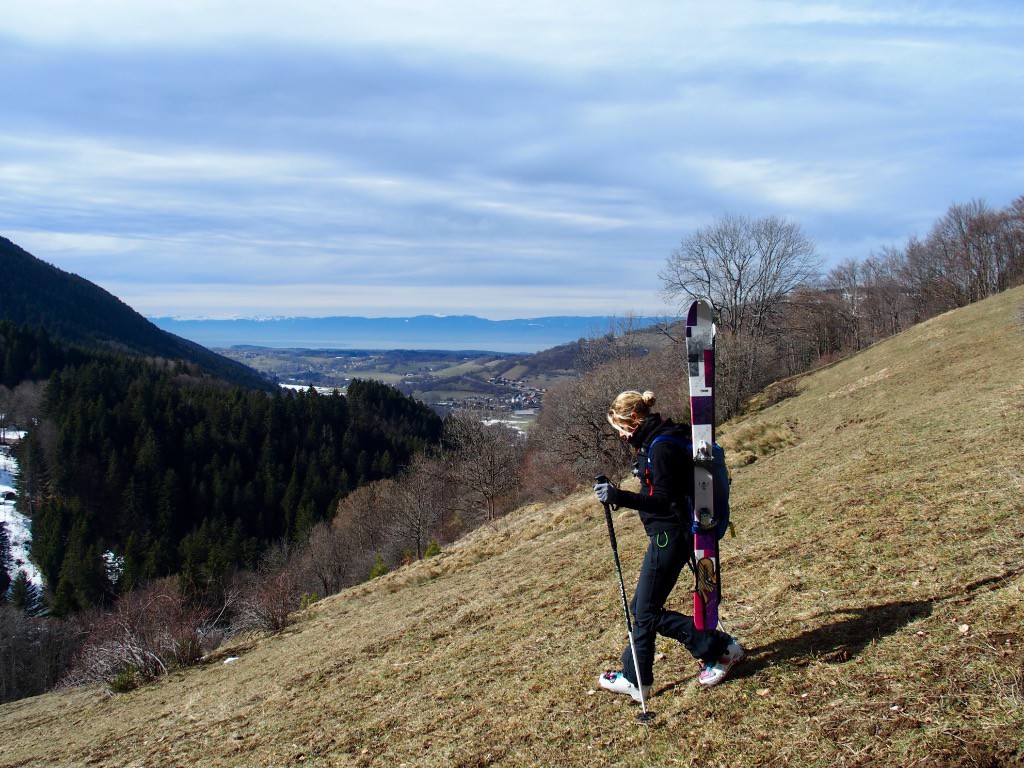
772	394
876	580
748	441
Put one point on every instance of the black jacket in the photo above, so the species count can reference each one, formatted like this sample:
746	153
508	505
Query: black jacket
666	476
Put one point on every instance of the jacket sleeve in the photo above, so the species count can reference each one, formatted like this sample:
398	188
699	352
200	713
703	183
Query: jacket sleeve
671	477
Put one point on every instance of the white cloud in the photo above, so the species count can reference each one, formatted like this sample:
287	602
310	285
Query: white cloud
771	183
497	302
567	32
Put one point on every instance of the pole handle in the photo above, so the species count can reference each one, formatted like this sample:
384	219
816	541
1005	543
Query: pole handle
608	520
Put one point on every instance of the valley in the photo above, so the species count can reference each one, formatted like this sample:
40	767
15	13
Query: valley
490	382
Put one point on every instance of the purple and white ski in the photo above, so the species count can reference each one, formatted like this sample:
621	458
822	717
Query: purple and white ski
700	355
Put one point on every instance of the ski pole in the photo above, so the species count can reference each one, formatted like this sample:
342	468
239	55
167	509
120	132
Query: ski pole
644	716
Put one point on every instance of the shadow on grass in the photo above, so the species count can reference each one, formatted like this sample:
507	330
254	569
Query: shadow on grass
832	643
839	641
842	640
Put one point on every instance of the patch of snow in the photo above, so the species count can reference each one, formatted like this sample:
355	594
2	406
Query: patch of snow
11	436
305	388
516	424
114	565
19	527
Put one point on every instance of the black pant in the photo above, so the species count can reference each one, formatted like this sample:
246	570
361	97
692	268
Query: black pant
666	557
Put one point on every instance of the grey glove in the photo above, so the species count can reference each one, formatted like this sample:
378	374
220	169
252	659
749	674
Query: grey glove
606	492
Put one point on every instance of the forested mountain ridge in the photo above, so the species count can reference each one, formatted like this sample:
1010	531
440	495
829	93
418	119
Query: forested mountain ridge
73	310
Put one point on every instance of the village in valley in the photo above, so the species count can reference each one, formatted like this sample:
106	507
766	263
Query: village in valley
496	385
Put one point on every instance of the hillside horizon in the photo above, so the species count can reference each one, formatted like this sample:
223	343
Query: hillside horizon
876	580
454	332
75	311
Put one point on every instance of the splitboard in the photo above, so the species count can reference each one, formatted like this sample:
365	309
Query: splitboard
700	354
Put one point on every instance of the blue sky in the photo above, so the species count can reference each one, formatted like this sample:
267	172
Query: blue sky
204	158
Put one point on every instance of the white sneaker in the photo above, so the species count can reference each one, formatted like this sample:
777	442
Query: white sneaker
616	682
712	674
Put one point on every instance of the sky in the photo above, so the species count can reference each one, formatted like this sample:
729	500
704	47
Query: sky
215	158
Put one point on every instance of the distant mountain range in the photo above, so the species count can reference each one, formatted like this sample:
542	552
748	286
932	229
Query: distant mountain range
444	332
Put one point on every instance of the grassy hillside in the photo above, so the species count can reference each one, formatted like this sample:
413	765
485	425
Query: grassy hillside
876	578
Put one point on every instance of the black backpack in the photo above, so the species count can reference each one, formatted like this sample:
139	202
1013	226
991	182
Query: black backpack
719	477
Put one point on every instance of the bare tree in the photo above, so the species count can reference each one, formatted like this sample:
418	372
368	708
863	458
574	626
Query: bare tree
6	412
485	463
34	652
868	299
5	560
817	326
887	305
148	632
271	594
746	268
363	516
964	243
924	275
571	441
1012	242
423	493
846	284
327	564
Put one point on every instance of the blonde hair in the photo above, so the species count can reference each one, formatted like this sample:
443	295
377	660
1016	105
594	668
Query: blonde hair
629	409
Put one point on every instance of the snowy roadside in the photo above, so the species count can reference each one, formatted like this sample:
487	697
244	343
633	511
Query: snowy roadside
19	527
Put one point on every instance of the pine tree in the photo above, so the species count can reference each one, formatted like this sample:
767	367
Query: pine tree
379	568
25	595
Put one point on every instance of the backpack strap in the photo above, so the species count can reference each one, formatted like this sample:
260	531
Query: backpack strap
685	444
681	442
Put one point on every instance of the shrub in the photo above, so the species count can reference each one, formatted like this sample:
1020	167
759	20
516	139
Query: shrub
148	632
270	595
379	568
126	680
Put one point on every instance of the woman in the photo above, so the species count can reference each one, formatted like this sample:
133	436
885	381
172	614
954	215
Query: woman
666	472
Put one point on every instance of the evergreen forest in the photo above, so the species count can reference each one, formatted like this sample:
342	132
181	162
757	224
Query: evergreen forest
141	469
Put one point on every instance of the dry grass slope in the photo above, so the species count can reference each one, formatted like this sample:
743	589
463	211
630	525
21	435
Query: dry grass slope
876	577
